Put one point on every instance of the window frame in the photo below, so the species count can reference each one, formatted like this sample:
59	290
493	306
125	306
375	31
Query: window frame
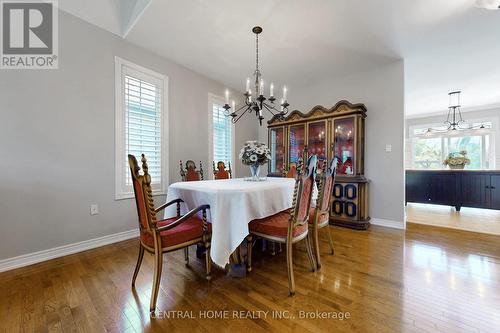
123	191
491	132
216	99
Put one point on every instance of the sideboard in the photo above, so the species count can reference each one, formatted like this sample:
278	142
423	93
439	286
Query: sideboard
458	188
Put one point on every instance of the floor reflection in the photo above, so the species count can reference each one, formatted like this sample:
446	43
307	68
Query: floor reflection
445	287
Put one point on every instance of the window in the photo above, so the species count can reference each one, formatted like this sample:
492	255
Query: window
221	131
428	151
428	154
141	115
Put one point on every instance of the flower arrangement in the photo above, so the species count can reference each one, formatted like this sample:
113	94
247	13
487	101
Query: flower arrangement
255	153
457	160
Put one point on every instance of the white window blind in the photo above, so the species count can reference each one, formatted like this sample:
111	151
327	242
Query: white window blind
143	125
222	135
141	115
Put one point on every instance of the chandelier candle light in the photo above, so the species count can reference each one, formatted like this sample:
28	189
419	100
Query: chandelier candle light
260	102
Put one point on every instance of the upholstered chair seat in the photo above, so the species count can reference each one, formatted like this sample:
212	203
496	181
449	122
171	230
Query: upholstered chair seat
189	231
276	226
322	219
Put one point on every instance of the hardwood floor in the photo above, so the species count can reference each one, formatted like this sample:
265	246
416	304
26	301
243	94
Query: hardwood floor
470	219
422	280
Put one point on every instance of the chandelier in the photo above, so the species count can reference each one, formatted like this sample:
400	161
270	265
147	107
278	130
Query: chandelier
454	120
258	103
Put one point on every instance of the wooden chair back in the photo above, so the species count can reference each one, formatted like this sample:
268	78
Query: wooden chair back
292	171
190	173
327	180
220	172
292	168
302	195
143	194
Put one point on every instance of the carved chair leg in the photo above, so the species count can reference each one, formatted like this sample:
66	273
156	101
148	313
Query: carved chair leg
330	239
289	264
249	252
138	265
315	244
310	253
208	261
186	255
156	279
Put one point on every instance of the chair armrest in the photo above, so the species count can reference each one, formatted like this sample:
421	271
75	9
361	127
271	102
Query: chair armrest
165	205
185	218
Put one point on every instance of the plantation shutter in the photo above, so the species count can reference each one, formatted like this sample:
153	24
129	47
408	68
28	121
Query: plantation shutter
143	124
222	135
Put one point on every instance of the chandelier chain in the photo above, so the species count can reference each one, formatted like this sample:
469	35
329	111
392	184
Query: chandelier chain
257	51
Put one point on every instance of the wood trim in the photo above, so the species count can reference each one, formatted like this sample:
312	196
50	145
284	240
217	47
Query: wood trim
318	112
64	250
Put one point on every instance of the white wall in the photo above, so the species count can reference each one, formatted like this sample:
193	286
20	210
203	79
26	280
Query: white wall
57	139
481	115
382	91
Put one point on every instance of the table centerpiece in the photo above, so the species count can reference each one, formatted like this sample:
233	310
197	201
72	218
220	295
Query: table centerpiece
254	154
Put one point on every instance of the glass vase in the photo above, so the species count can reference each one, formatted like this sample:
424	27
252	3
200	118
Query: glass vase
254	171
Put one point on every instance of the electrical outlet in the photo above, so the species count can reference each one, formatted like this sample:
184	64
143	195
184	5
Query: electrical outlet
388	148
94	209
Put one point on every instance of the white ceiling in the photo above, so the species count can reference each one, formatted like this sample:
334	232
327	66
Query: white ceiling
446	44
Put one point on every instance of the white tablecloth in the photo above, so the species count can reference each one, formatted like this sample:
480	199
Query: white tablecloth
233	204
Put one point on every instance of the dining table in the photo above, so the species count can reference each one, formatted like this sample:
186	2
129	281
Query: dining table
233	204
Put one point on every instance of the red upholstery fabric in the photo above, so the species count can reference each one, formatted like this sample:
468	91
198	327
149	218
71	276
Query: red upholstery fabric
292	172
184	232
327	193
192	175
222	174
141	208
323	218
275	225
305	199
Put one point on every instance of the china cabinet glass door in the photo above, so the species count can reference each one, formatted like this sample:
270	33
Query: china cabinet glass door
296	143
344	145
316	139
276	138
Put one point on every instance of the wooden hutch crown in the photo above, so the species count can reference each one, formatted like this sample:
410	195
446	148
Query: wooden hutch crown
338	131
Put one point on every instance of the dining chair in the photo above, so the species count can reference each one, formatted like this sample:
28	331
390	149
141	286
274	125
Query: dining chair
291	172
190	173
161	236
220	172
319	216
291	225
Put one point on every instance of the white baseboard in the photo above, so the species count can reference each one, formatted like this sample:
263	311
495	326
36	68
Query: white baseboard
388	223
60	251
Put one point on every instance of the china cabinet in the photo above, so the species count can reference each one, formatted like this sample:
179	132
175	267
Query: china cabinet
339	132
